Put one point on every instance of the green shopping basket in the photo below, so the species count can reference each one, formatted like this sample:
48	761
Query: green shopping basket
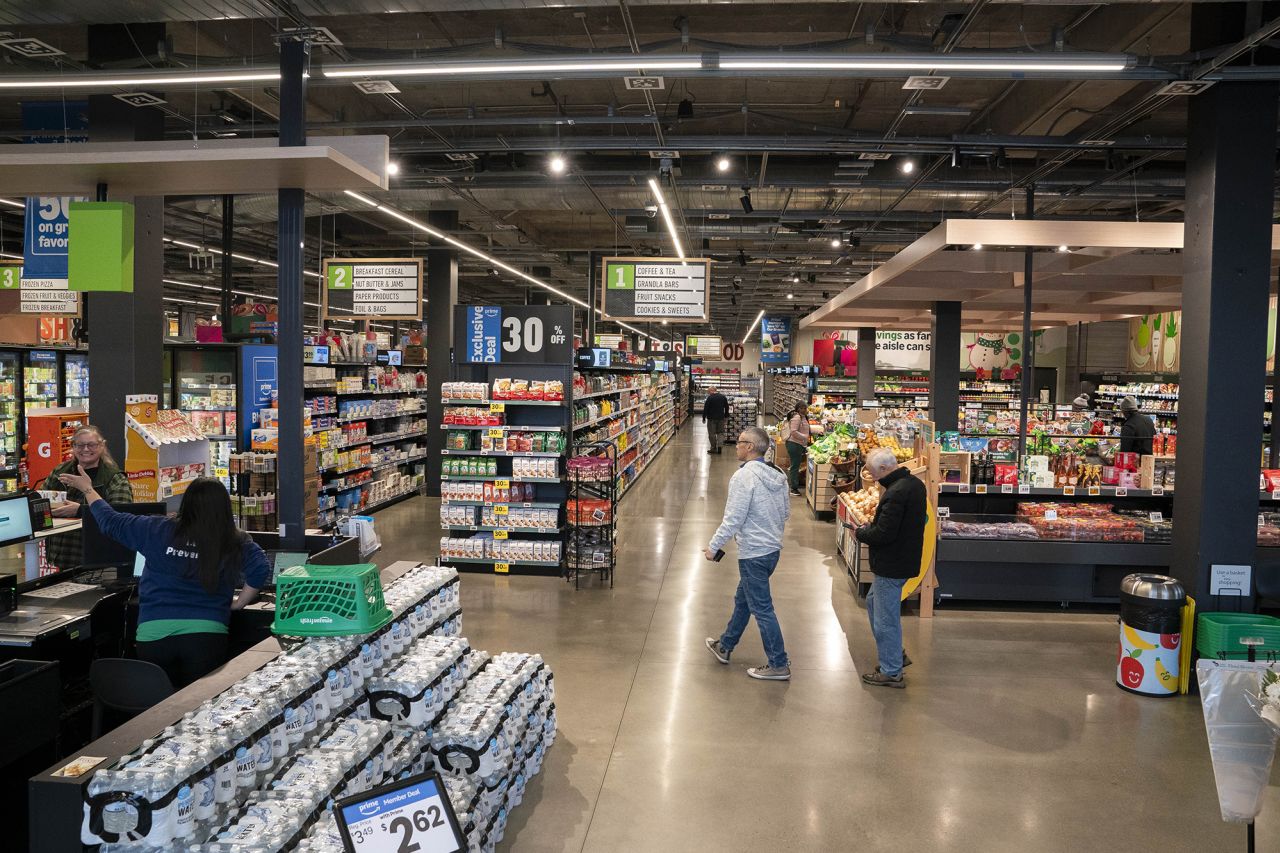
1218	636
329	601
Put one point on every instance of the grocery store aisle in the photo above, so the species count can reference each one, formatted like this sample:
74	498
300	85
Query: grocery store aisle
1011	735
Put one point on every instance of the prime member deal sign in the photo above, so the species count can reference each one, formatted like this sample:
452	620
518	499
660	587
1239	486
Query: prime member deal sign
388	288
656	289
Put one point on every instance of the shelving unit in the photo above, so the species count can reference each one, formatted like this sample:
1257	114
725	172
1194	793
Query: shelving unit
727	380
591	513
902	388
637	432
789	387
368	448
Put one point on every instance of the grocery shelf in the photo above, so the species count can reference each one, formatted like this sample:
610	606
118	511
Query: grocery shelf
609	416
494	528
483	477
578	397
381	393
1056	491
383	439
509	427
539	453
523	504
351	419
457	402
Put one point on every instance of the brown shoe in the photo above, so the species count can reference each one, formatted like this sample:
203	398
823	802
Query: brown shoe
879	679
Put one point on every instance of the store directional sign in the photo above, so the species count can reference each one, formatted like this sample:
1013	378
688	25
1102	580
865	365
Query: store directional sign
505	334
46	237
385	288
703	346
656	289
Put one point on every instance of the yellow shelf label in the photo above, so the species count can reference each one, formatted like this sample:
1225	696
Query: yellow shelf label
502	568
495	433
501	509
497	407
502	484
499	534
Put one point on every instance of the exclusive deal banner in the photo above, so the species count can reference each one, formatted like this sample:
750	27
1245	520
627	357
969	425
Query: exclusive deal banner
775	340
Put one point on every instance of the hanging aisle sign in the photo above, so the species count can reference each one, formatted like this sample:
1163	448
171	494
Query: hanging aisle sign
656	289
520	334
775	340
364	288
46	237
703	346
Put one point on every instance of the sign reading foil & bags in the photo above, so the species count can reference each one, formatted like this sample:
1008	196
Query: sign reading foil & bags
46	237
656	289
386	288
503	334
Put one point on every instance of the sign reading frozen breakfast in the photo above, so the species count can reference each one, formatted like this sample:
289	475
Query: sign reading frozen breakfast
386	288
46	239
656	289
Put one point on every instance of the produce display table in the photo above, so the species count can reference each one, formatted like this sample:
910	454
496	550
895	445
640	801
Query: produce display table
817	489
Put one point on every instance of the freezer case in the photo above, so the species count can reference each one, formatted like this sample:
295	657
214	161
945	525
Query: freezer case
10	422
41	380
75	380
202	383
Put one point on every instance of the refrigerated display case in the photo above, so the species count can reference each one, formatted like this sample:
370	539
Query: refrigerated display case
75	380
41	382
202	381
10	423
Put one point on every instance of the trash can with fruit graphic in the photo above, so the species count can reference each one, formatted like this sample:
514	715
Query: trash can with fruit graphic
1150	634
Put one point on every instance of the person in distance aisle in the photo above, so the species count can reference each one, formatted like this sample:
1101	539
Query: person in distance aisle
755	514
895	539
715	409
1136	429
798	439
194	563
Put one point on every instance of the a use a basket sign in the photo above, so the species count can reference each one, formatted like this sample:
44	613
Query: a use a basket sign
368	288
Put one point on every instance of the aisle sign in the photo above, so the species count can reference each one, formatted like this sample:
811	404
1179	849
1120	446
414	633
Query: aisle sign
386	288
703	346
520	334
45	241
656	289
410	814
775	340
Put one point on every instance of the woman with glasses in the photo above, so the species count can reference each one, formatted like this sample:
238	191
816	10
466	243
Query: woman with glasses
88	451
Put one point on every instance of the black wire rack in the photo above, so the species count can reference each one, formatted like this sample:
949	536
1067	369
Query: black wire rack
592	538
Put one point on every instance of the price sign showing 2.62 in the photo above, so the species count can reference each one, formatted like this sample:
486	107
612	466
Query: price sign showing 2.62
409	816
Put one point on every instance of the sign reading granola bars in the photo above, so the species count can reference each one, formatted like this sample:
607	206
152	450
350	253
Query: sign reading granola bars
656	289
383	288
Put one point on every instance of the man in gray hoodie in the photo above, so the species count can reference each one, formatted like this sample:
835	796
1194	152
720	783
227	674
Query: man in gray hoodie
755	514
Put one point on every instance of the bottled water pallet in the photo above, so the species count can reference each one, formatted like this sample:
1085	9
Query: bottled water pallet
258	768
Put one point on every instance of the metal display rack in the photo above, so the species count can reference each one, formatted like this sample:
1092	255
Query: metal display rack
592	544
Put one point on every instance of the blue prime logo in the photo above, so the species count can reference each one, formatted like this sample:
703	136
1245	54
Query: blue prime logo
369	809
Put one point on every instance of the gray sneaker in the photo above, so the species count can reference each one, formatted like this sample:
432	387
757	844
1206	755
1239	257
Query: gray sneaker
879	679
713	645
770	673
906	662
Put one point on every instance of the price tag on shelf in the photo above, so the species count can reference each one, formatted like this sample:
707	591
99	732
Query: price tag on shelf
502	568
944	512
980	489
1006	488
1024	488
1157	516
496	433
1050	515
1094	490
502	484
1122	492
500	534
410	814
964	489
1068	490
497	407
1157	491
501	509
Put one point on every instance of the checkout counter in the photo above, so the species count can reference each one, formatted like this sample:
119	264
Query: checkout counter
57	800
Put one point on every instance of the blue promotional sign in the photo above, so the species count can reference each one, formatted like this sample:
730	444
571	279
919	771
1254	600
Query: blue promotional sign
484	324
523	334
258	367
45	237
775	340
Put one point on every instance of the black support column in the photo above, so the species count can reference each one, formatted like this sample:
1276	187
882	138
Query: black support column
944	366
442	296
866	365
290	230
228	238
1226	283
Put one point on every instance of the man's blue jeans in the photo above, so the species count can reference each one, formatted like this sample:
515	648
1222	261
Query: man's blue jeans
753	599
884	609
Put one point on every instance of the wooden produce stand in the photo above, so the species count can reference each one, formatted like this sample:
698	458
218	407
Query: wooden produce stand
854	555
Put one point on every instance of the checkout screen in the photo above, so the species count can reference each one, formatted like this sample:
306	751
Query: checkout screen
15	520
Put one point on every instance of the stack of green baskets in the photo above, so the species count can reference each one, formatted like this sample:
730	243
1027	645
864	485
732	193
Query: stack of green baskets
1218	636
329	601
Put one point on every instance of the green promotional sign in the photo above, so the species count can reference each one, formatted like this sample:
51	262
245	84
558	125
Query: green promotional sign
648	289
340	276
100	246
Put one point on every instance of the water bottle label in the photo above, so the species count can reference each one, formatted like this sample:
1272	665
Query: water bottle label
263	753
246	768
184	824
119	818
226	779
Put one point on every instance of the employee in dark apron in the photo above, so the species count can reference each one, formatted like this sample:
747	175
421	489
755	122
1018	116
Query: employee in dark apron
88	451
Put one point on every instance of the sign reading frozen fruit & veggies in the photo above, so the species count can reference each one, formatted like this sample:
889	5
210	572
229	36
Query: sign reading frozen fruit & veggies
656	288
46	238
387	288
492	334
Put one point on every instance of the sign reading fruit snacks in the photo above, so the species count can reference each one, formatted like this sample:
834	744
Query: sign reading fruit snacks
656	288
386	288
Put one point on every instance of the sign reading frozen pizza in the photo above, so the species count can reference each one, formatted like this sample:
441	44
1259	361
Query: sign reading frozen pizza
656	289
385	288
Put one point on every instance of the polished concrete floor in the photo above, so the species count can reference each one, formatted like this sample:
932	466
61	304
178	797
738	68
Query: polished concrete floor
1011	735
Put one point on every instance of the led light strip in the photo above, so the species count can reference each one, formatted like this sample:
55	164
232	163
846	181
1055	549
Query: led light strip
752	327
1028	65
484	256
440	69
666	217
108	81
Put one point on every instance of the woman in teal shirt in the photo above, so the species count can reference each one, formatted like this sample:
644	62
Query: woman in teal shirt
194	562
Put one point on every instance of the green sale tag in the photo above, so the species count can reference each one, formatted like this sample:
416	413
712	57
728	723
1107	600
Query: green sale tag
340	276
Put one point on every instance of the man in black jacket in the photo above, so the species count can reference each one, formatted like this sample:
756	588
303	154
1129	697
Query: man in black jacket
715	409
895	538
1137	429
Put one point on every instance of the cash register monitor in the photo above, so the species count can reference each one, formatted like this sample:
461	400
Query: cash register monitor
100	550
15	520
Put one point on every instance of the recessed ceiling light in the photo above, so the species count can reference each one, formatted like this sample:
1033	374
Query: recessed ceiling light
835	242
393	168
723	164
558	164
977	247
791	296
1063	249
908	166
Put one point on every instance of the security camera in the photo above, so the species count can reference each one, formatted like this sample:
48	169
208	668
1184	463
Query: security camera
651	210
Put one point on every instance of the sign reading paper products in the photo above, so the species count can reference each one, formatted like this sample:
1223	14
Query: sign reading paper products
703	346
386	288
656	289
775	340
502	334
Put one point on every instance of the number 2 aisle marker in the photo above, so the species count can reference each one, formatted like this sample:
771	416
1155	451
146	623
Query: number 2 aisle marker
389	288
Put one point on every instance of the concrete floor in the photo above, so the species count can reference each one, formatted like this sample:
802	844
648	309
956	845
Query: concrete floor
1011	735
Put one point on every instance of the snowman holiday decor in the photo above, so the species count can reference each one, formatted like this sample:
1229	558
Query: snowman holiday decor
992	353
